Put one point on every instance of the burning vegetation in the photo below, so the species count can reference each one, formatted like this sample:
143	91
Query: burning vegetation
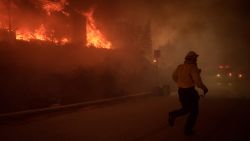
48	28
94	36
40	34
54	53
52	6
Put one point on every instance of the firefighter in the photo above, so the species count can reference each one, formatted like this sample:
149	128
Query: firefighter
187	76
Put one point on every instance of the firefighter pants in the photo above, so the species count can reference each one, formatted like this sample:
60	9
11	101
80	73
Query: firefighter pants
189	99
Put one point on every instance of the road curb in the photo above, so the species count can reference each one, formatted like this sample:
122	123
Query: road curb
62	107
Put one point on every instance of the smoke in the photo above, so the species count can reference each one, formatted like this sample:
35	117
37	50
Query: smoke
216	29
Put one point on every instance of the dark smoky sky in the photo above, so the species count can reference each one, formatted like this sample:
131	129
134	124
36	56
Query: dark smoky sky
217	29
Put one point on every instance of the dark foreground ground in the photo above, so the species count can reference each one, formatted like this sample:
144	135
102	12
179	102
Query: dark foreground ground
144	119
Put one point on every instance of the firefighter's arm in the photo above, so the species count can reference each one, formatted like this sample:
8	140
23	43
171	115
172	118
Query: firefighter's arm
195	73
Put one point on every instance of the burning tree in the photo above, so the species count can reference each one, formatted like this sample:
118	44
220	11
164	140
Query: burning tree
94	36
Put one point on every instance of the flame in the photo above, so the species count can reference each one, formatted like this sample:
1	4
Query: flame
39	34
64	41
94	35
55	6
95	38
26	35
22	35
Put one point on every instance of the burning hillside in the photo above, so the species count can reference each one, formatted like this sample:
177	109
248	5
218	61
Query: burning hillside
39	34
45	23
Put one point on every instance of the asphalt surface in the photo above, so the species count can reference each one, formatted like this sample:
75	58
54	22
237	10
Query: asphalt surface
141	119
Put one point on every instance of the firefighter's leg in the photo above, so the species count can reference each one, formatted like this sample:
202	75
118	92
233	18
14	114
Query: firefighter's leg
185	109
192	118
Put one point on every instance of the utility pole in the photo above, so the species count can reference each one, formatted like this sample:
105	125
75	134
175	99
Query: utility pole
9	15
157	54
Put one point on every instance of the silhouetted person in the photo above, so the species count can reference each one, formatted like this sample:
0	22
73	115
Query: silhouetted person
187	76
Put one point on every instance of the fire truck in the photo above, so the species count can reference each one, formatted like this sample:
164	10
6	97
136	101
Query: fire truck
227	76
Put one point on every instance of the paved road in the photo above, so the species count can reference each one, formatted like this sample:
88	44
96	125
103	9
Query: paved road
143	119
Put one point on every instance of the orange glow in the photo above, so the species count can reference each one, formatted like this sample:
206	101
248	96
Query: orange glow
65	41
55	6
227	66
23	35
94	36
2	26
38	34
221	66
